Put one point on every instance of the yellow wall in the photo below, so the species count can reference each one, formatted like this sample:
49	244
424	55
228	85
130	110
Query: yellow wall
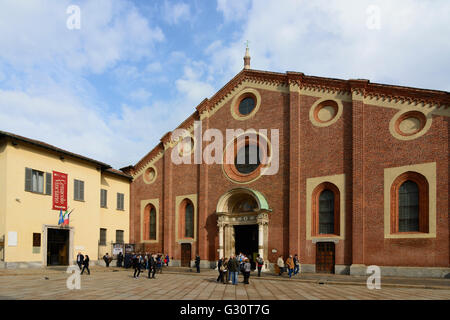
112	219
28	212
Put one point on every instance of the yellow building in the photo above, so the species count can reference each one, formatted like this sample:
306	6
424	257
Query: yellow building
30	233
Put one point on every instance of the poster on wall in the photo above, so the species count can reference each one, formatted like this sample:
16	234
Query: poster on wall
59	191
117	248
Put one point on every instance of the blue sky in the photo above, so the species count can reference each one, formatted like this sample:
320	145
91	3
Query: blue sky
136	69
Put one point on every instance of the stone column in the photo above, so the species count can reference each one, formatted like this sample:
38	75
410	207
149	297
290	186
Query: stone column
221	227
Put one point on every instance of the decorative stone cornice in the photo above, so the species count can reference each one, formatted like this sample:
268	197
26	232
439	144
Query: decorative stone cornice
354	89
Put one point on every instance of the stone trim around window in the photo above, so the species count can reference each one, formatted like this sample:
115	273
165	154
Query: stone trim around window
321	104
313	186
241	95
422	174
178	224
144	204
315	209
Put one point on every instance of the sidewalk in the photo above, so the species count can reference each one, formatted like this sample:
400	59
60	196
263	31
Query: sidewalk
399	282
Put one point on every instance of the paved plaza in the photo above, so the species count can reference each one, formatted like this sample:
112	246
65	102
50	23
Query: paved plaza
119	284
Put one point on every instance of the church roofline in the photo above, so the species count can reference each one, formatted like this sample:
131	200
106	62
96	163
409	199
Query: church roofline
363	86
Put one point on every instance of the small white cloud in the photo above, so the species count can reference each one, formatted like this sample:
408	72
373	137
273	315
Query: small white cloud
176	12
233	10
140	95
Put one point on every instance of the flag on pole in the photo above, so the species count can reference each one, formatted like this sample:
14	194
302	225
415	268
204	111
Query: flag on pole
66	217
61	219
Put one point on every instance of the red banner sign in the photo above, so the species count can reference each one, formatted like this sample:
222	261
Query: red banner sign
59	191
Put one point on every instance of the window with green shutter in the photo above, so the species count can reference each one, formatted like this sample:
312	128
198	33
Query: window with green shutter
78	188
102	237
119	236
103	198
34	181
48	183
120	201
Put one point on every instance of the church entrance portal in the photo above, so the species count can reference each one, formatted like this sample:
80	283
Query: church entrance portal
246	240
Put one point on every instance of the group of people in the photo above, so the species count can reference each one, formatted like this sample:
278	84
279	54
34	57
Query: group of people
153	262
291	265
229	268
83	261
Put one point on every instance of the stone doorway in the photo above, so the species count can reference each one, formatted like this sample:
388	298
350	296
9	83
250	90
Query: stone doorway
243	218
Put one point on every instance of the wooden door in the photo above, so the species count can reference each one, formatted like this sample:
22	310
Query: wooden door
325	257
185	254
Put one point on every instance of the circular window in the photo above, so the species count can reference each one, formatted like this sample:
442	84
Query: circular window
410	123
186	146
149	175
245	104
325	112
246	158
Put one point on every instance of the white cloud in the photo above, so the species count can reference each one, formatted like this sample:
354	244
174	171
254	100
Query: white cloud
174	13
140	94
234	10
110	31
330	38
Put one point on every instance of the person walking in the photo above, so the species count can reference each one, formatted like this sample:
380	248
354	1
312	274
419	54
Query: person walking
167	260
119	259
259	263
296	264
233	267
107	260
86	265
159	263
224	270
136	266
80	259
151	266
280	264
290	265
219	268
197	263
247	269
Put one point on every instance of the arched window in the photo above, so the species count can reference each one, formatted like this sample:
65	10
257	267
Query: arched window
152	235
326	210
409	203
189	221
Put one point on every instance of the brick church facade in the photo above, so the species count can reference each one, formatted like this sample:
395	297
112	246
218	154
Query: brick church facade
362	179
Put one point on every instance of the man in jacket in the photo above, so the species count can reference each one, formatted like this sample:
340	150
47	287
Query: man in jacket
151	266
197	263
80	259
107	259
280	264
296	264
233	267
259	263
119	259
290	265
86	265
136	266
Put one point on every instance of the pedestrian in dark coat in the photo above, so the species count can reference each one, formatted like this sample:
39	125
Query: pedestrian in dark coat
233	267
136	266
247	269
86	265
107	259
152	266
119	259
197	263
80	259
219	265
